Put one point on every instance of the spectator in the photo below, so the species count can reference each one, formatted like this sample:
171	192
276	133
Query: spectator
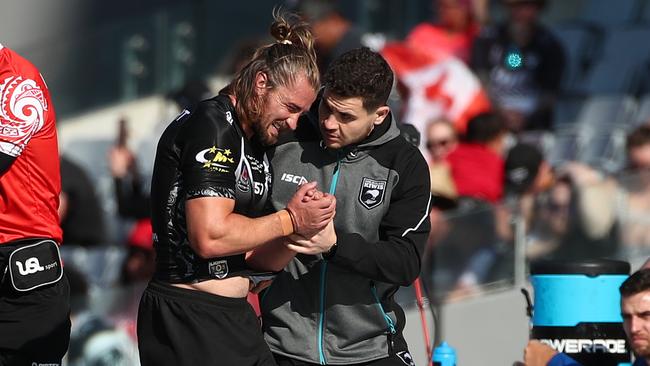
452	35
520	62
552	222
625	201
80	211
133	201
635	307
477	165
440	87
140	263
133	204
441	141
333	32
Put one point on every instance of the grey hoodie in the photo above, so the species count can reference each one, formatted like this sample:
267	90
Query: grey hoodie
340	310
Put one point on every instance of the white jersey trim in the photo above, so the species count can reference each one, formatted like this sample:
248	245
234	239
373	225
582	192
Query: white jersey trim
10	149
426	215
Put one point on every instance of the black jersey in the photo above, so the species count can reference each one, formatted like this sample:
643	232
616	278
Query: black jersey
203	154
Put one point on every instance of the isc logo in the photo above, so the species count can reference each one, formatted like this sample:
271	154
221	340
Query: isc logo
291	178
31	266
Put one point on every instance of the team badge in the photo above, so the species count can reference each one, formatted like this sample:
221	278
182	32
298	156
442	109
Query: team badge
218	269
372	191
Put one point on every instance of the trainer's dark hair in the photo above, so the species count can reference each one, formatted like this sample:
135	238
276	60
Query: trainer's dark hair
638	282
292	56
484	128
360	73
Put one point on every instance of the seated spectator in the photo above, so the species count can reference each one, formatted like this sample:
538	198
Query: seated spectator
520	62
334	33
477	165
440	87
453	34
553	220
441	140
635	307
80	210
624	200
140	261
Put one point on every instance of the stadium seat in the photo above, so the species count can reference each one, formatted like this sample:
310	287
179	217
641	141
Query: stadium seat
580	45
607	13
643	114
566	111
607	110
566	146
621	58
604	148
559	11
644	13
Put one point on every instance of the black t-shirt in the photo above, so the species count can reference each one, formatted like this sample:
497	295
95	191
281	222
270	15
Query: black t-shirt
519	77
83	223
203	154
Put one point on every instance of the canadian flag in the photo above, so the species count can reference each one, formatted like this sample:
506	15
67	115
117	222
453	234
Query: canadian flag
435	86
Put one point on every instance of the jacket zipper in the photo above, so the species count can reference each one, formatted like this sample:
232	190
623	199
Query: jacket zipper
389	321
323	275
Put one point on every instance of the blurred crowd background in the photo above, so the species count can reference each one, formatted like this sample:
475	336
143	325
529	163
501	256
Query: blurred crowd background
534	116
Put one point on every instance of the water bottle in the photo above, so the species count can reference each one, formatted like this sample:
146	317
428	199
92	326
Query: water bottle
444	355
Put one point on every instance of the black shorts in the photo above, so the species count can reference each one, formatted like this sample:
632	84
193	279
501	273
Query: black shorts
34	325
177	326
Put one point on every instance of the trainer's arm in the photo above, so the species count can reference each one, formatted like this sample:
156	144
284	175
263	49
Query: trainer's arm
403	232
214	230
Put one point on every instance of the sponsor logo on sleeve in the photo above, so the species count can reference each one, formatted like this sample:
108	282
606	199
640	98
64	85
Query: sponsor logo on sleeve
372	192
293	178
216	159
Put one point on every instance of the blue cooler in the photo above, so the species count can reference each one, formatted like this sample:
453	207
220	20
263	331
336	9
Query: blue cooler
577	309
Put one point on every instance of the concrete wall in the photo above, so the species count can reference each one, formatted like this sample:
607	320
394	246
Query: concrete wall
490	329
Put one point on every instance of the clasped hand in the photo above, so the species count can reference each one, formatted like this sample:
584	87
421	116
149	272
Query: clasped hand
313	212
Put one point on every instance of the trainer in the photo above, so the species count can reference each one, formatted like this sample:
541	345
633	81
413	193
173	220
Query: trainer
338	308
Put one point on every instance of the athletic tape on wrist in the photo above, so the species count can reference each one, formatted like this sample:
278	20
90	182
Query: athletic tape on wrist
286	223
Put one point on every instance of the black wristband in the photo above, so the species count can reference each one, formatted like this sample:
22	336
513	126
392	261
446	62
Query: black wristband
331	252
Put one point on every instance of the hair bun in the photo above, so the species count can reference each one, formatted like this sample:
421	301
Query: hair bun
281	30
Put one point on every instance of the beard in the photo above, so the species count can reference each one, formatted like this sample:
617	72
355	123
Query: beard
261	133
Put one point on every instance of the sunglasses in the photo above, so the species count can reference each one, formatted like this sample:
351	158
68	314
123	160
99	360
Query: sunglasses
440	143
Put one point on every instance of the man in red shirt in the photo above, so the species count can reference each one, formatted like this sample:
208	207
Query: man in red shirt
34	294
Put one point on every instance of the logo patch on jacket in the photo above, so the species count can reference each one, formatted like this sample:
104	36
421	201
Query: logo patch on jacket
372	191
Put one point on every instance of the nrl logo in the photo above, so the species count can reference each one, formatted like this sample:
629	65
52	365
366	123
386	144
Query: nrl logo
218	269
371	193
